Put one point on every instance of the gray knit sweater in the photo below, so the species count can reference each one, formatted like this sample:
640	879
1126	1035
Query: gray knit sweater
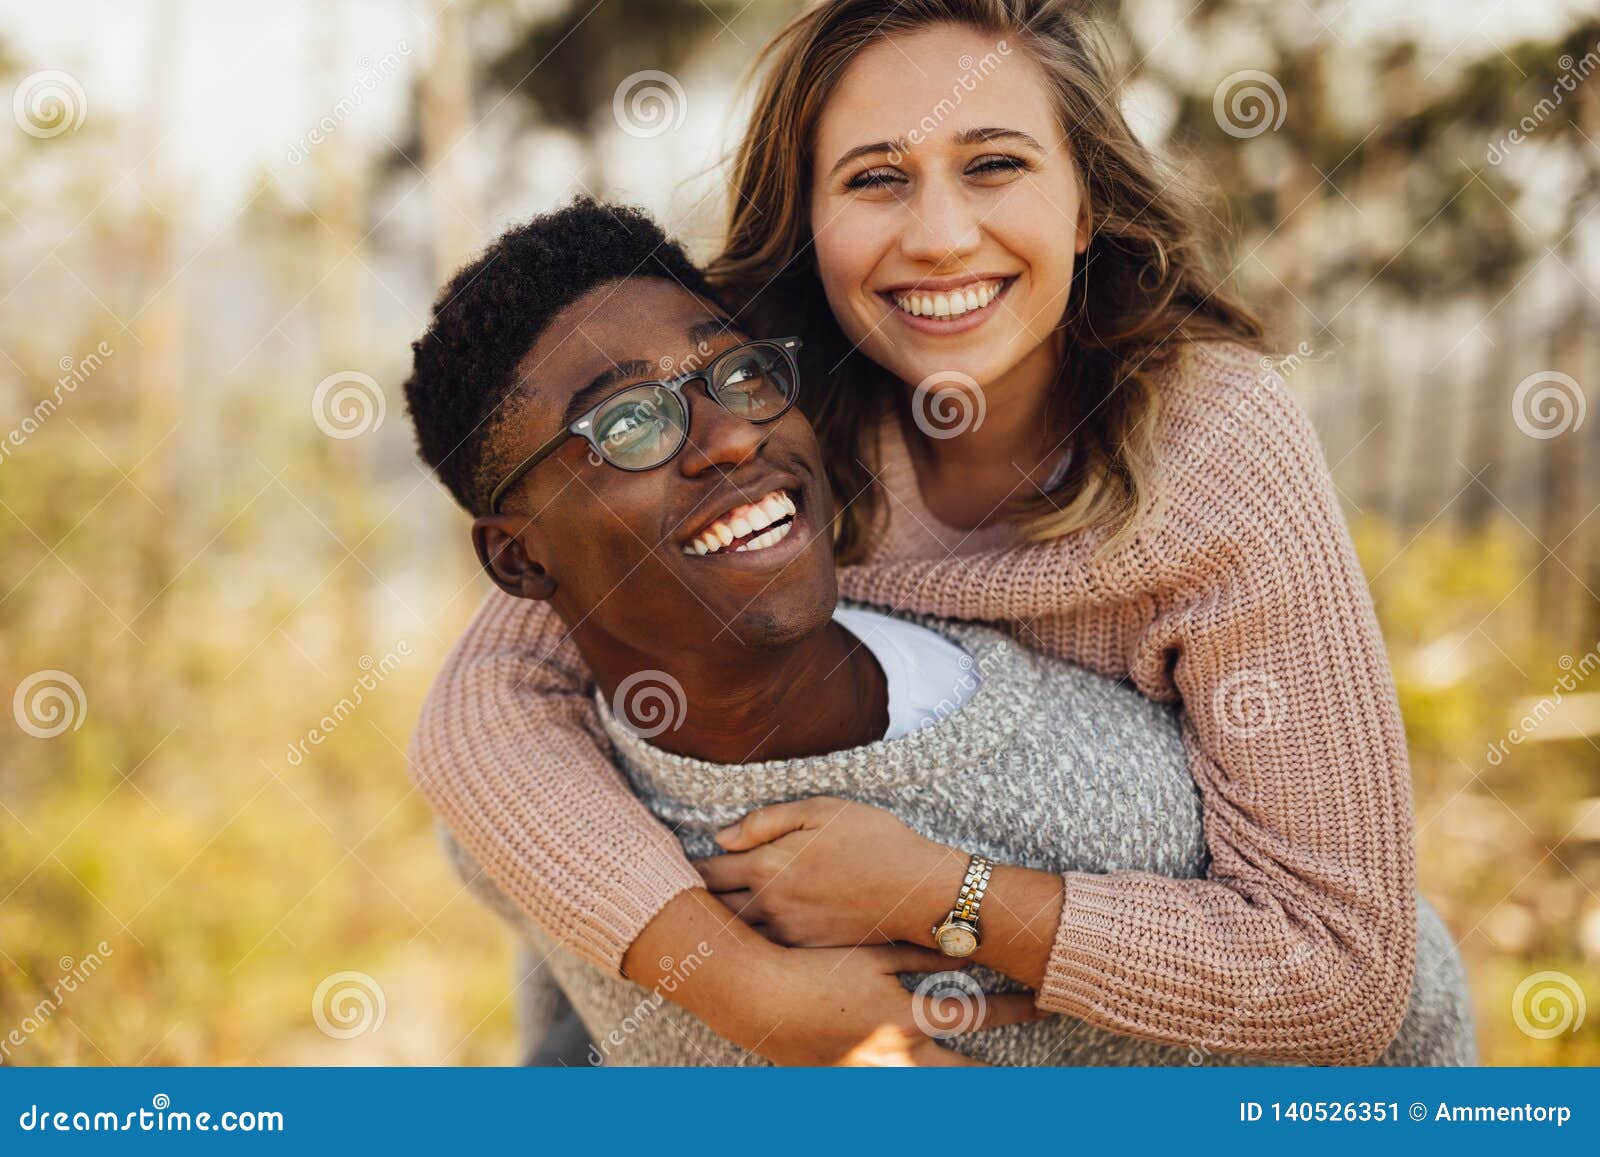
1047	766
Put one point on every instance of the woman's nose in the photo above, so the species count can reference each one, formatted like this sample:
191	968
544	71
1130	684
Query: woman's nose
940	224
717	439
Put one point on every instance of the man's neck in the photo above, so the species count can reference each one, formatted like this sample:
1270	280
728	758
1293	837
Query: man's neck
823	693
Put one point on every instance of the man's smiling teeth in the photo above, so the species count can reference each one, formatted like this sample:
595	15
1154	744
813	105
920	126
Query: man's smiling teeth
746	519
951	304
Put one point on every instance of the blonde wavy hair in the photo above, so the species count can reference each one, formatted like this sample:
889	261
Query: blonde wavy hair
1156	285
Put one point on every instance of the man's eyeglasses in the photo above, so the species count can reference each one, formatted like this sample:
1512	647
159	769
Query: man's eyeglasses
644	425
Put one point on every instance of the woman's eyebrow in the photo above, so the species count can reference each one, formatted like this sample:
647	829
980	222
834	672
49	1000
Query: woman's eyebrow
976	136
867	150
993	133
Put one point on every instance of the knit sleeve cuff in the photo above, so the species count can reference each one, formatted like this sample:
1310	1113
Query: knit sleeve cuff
620	908
1084	951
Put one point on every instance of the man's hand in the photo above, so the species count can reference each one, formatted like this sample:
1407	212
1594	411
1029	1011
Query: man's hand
824	871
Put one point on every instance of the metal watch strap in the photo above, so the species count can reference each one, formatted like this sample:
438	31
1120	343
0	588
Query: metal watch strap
979	868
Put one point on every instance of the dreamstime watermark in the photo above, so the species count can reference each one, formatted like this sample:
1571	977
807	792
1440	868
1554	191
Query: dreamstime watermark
675	973
348	404
49	702
1271	378
647	703
670	367
49	103
74	372
1548	1004
1573	73
348	1004
948	404
370	77
1276	370
1233	424
947	1004
1576	671
972	72
971	677
1547	404
1247	703
374	673
1248	103
1271	983
971	674
160	1117
73	974
675	367
649	103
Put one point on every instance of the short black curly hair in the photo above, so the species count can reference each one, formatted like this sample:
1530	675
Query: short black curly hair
493	310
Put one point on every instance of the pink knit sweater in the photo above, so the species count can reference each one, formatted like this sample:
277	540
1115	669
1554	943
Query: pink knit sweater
1241	595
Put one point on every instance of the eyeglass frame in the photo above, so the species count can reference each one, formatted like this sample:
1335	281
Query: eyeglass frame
583	425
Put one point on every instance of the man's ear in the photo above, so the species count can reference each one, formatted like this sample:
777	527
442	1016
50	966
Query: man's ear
499	541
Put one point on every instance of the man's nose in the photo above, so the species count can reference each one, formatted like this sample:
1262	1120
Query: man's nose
717	439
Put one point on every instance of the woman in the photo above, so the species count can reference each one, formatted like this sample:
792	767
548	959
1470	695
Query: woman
945	195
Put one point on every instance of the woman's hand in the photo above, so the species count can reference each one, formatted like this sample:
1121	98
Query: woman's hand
830	872
831	1006
808	1006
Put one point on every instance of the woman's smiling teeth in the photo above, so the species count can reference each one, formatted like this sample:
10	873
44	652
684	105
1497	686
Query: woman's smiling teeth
753	525
951	303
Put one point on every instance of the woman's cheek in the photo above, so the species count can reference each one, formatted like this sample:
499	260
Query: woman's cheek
1041	310
1054	293
845	263
1046	238
842	301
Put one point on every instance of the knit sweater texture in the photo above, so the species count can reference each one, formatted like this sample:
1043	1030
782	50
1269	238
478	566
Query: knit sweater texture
1048	766
1239	594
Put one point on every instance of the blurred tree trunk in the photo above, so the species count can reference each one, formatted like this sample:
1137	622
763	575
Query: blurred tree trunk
446	125
1584	550
1563	528
1566	594
339	195
155	344
1486	419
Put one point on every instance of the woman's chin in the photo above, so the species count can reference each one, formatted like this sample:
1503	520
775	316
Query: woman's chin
939	363
941	371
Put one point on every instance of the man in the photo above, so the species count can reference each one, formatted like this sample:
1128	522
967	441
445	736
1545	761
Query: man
585	265
679	524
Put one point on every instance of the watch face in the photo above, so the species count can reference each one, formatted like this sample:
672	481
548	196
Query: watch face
955	940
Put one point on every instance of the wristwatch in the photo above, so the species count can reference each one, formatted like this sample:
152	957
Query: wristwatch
957	933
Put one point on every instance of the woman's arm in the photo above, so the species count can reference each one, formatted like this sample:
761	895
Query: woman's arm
801	1006
794	1006
1300	944
1242	595
510	752
825	871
